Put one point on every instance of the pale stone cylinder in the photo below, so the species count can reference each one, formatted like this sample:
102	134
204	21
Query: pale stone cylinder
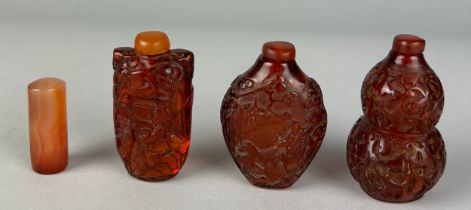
48	125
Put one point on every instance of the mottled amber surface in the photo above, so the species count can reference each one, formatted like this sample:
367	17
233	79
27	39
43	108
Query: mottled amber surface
151	43
394	151
48	125
153	97
273	118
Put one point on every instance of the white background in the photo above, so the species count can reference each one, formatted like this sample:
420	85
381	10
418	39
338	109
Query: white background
337	44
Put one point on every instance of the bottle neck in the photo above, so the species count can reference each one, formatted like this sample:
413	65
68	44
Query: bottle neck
265	67
277	65
405	59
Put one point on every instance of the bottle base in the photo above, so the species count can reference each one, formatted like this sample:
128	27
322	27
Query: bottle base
392	200
271	186
153	179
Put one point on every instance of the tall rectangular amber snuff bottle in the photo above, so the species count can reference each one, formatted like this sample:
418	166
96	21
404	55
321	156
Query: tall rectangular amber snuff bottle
153	96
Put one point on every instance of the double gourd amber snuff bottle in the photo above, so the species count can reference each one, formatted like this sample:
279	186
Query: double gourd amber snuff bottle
153	96
273	118
394	151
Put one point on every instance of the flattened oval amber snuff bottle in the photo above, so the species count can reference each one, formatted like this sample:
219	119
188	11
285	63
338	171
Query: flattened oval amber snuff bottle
394	151
273	118
153	96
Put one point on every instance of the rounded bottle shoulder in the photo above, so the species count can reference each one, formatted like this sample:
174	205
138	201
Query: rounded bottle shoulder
402	98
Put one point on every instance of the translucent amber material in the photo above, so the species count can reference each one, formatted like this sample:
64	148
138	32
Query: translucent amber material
48	125
273	118
151	43
281	51
153	96
394	151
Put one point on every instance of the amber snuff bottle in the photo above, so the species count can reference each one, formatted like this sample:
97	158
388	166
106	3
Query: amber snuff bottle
394	151
273	118
153	96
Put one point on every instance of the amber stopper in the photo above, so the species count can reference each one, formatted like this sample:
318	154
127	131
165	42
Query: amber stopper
48	125
408	44
279	51
151	43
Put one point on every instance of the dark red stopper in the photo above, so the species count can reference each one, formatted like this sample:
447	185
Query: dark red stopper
408	44
279	51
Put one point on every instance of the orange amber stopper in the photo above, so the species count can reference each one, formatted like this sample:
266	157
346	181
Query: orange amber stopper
151	43
279	51
408	44
48	125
